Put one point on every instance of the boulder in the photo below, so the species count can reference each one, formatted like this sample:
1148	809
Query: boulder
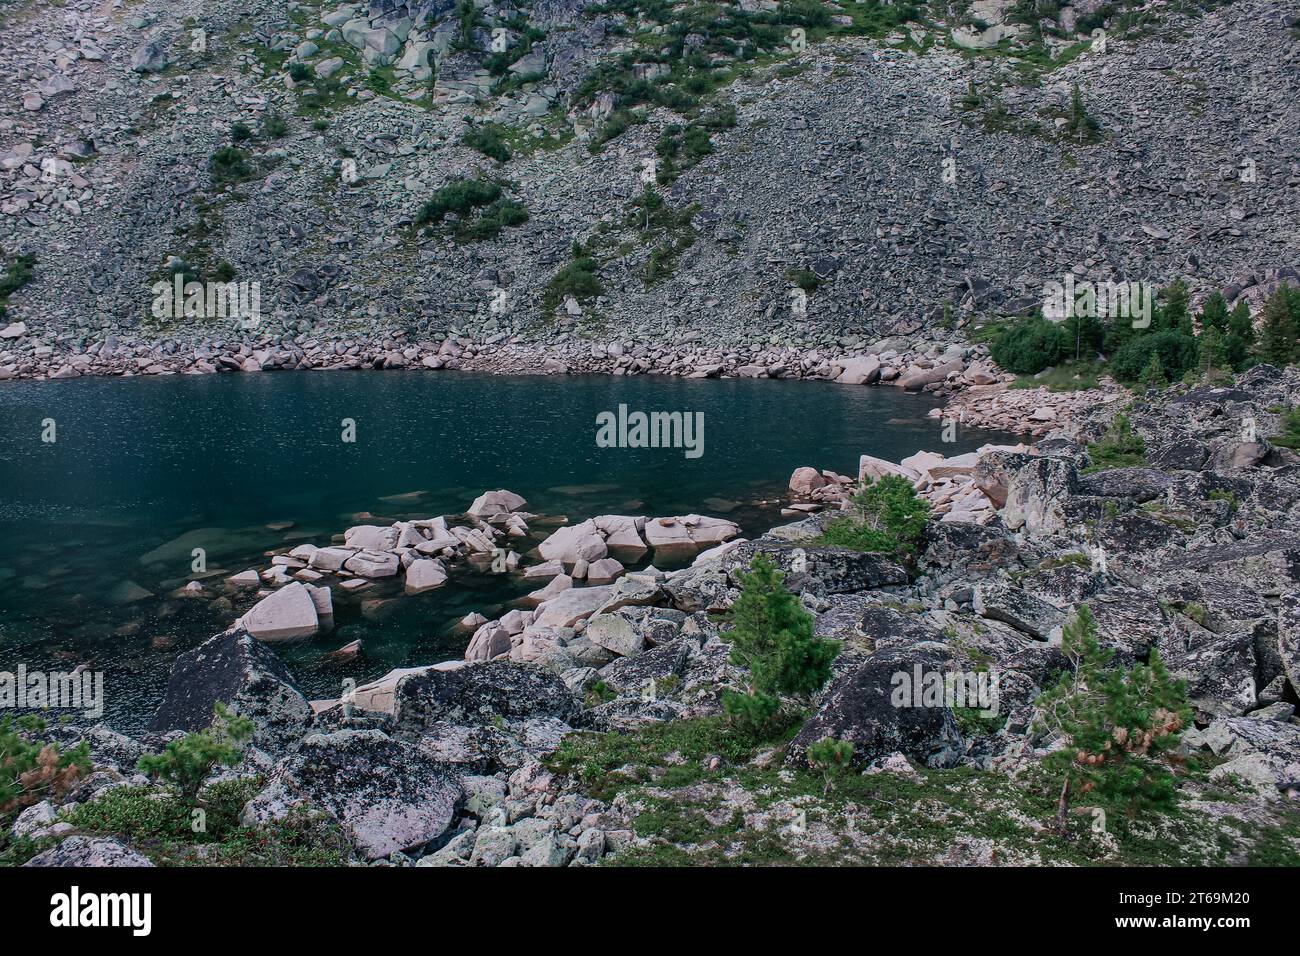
1018	608
493	503
288	614
373	564
805	481
240	672
369	537
615	633
387	796
424	575
858	705
860	370
480	694
580	542
151	56
82	851
571	605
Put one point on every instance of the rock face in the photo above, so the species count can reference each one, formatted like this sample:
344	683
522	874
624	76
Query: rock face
80	851
858	705
387	795
236	670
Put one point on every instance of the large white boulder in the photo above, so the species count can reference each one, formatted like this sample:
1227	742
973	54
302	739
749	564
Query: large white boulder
289	614
579	542
492	503
424	575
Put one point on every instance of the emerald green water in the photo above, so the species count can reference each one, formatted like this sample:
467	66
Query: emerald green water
143	470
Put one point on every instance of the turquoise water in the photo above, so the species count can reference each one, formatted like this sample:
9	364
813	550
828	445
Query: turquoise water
143	470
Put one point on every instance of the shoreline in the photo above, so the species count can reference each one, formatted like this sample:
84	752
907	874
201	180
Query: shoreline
960	374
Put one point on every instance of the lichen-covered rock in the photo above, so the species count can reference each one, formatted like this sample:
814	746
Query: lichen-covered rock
387	796
234	669
819	569
481	693
89	851
1036	493
858	705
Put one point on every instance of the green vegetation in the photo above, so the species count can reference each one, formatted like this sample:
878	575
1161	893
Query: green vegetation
229	164
772	638
577	279
1079	123
1279	343
804	279
35	770
1119	447
239	132
174	832
1066	377
888	517
831	758
184	764
274	126
15	275
1120	724
462	197
666	230
488	139
1289	436
1029	346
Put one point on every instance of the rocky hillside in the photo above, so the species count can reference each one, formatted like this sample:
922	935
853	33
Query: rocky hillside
589	728
819	175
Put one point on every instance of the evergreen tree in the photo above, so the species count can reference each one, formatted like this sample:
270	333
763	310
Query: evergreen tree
1119	725
1079	122
1214	313
1153	376
1214	354
1241	324
1173	313
1277	332
772	636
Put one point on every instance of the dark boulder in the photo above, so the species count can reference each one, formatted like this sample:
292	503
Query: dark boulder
237	670
479	694
1136	484
861	704
821	570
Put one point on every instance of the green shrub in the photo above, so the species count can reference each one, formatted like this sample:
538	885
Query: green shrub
35	770
577	279
772	638
488	139
1119	725
240	132
1289	437
1078	121
229	164
1278	343
460	196
805	279
888	517
831	758
1119	447
502	214
1028	347
274	126
1178	355
184	764
299	72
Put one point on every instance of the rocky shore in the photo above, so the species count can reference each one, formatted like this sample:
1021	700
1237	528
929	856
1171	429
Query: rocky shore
489	760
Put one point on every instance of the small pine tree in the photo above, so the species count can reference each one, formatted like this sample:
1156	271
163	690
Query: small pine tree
1277	332
1173	311
1214	312
1214	355
184	764
1241	324
772	637
831	758
1119	725
1154	376
1080	122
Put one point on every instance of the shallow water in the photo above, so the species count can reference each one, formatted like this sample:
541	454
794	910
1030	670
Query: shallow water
144	470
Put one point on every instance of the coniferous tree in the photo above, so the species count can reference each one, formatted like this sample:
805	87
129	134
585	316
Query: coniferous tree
1173	313
1241	324
1153	376
1277	332
1119	725
772	637
1214	313
1214	355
